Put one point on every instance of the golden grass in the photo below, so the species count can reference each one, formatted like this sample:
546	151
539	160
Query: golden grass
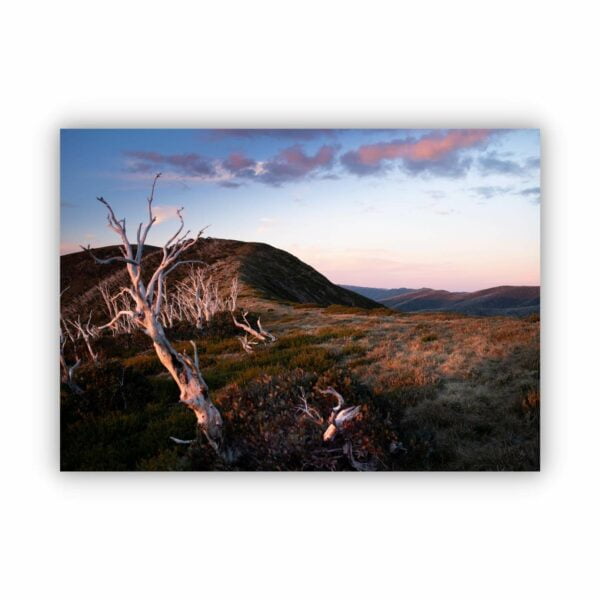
471	383
462	392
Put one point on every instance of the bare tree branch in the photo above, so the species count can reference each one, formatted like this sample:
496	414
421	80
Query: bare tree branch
128	313
147	315
308	411
142	235
110	260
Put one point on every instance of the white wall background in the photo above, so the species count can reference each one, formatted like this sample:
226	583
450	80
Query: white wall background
310	63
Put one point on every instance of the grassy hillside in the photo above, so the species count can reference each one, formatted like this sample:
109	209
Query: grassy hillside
437	392
263	270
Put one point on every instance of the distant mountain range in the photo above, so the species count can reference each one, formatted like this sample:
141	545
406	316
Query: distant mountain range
377	294
502	300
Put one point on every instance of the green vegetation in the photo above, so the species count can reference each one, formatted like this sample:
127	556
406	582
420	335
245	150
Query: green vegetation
123	419
436	392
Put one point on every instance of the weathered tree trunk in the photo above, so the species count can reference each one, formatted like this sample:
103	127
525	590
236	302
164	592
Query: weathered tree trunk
193	391
148	299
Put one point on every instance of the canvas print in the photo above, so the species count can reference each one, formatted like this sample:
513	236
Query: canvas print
299	299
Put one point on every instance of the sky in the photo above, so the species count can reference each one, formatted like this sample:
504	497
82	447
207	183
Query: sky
453	209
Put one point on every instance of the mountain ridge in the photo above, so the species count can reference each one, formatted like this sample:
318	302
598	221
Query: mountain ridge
498	300
264	272
376	294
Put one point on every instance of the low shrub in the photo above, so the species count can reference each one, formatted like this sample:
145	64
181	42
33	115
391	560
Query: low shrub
107	386
430	337
265	429
354	349
122	419
528	403
270	360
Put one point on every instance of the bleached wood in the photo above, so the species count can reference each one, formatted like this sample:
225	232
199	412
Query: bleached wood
247	344
308	411
68	372
146	314
258	334
86	332
268	335
178	441
339	416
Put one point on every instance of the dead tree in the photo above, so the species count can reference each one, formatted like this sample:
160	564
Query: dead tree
233	295
206	294
114	303
68	372
104	290
198	297
86	332
259	333
148	298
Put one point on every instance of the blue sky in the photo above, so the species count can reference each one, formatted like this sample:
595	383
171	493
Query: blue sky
449	209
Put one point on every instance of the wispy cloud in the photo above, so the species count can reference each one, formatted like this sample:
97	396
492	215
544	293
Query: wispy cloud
493	163
293	163
230	184
533	193
290	164
530	191
489	191
186	164
438	153
447	153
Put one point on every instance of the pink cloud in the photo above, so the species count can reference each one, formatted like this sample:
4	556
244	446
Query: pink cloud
295	156
289	164
430	147
294	163
238	161
435	150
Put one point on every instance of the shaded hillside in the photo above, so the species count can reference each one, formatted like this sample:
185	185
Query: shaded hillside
377	294
264	271
281	276
79	272
502	300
